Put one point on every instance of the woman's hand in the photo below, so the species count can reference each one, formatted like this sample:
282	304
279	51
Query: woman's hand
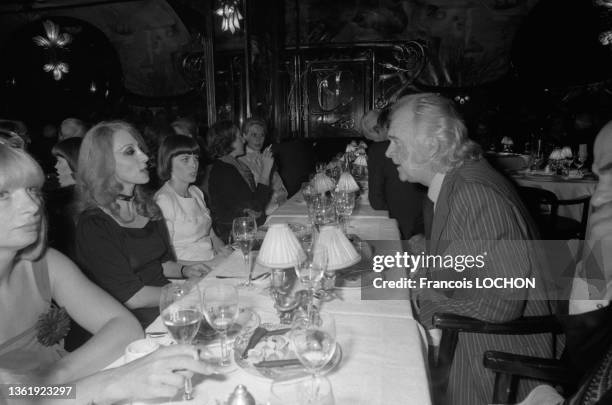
224	251
198	270
267	160
156	375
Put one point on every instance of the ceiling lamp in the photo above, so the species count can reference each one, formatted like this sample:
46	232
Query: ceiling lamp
54	38
58	69
53	42
230	14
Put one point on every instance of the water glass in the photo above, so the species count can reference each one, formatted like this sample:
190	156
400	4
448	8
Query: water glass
314	341
220	304
345	203
180	309
310	271
244	230
324	210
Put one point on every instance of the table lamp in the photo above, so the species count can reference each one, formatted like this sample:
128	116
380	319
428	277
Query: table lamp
280	249
340	251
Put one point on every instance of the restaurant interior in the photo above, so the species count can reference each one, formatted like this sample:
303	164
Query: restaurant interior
530	79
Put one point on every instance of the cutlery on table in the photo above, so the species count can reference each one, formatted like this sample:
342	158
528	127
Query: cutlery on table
257	277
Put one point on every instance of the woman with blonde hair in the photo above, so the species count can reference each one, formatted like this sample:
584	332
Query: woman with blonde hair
121	237
40	289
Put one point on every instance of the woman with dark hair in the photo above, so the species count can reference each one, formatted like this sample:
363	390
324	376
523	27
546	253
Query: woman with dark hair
61	201
121	237
234	190
182	204
67	154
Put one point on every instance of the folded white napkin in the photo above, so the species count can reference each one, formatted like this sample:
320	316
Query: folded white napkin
234	266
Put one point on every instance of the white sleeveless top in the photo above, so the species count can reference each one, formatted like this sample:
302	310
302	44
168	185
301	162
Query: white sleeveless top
189	222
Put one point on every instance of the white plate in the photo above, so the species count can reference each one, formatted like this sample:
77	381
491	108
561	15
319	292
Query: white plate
278	373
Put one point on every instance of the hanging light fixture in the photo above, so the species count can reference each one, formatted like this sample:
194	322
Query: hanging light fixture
92	87
58	69
229	12
54	42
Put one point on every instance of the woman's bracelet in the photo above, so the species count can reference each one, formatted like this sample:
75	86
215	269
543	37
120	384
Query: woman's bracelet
182	268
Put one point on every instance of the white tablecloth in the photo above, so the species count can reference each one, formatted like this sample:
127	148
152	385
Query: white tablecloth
384	349
564	190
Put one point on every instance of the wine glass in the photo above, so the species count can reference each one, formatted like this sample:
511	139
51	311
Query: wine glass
220	304
323	210
244	230
314	342
310	270
345	203
180	310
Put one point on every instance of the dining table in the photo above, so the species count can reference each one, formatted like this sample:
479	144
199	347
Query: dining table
383	349
564	188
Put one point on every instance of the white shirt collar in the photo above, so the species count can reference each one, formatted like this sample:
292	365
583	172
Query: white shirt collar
434	187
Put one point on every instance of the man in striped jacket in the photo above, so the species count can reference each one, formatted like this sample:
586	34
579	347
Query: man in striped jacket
477	212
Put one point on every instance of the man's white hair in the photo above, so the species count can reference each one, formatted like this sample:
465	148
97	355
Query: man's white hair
435	130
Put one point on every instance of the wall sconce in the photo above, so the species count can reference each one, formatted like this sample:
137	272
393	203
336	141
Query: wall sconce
229	12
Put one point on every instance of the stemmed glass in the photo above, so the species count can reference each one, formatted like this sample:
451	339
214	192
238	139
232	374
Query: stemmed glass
345	203
315	344
220	304
324	210
180	310
310	270
244	230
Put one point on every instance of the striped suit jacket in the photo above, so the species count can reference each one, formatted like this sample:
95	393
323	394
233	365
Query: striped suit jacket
479	212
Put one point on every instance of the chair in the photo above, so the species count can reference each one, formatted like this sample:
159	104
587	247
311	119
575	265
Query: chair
452	324
510	368
544	206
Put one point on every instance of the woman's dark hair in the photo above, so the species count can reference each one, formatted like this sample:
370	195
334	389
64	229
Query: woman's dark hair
170	147
221	136
69	150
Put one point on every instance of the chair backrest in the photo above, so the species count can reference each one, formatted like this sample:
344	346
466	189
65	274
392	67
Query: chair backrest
543	205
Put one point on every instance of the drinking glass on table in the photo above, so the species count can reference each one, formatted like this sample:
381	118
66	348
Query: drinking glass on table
314	342
244	230
220	305
324	211
180	309
345	203
310	271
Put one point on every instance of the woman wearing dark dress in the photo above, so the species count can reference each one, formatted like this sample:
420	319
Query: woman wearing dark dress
61	200
234	190
121	237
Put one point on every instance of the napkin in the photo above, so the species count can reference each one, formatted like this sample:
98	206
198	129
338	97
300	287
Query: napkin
234	266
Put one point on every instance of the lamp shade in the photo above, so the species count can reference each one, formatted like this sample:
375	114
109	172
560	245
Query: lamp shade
280	248
347	182
361	160
340	251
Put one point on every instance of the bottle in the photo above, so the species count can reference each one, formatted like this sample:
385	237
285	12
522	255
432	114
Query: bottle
241	396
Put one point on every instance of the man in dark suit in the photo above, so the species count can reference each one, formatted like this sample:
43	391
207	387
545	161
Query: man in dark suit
476	212
386	191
